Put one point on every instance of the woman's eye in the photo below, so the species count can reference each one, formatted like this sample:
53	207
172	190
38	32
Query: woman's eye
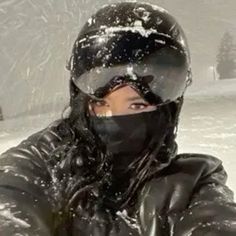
98	103
138	106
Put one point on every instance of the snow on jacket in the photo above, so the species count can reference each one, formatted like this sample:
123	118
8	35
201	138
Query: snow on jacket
188	198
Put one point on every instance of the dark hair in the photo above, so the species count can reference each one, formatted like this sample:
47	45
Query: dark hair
83	161
79	166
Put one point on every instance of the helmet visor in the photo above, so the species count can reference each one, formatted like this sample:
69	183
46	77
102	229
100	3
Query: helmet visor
164	76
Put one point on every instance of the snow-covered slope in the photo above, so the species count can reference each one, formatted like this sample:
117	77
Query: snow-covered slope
208	123
216	88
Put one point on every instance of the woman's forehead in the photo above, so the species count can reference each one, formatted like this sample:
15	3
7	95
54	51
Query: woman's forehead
123	92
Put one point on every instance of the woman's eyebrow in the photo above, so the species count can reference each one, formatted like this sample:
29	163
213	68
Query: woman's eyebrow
97	99
131	99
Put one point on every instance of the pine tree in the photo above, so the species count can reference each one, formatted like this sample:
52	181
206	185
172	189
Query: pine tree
1	114
226	58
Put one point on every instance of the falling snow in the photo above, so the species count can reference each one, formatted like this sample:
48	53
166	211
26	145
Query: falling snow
36	40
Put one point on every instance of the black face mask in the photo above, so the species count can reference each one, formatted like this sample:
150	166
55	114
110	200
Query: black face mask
129	136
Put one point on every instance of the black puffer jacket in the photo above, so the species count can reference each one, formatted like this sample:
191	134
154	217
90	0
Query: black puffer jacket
188	198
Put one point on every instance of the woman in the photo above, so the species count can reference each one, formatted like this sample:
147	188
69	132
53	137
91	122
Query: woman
111	166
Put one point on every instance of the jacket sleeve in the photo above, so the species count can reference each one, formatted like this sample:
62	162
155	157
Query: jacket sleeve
26	207
212	210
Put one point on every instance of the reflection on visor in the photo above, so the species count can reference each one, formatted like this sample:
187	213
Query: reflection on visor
167	82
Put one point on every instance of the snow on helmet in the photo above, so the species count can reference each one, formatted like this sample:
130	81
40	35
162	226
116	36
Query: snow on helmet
133	43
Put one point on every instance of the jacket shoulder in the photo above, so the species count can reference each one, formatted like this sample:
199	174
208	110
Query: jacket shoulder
188	177
211	208
204	164
191	190
26	180
42	142
198	157
55	132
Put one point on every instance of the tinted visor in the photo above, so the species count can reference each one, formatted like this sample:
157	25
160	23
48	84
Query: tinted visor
164	75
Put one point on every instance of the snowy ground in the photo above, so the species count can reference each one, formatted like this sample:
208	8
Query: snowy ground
207	125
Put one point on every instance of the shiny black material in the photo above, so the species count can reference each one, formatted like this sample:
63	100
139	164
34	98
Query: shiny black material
127	138
188	197
130	134
127	35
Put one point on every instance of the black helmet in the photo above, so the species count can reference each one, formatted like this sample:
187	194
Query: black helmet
134	43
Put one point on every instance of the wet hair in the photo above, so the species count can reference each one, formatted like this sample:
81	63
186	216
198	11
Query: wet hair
79	166
83	167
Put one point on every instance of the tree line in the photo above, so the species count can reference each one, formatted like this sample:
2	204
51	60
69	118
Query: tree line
226	57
